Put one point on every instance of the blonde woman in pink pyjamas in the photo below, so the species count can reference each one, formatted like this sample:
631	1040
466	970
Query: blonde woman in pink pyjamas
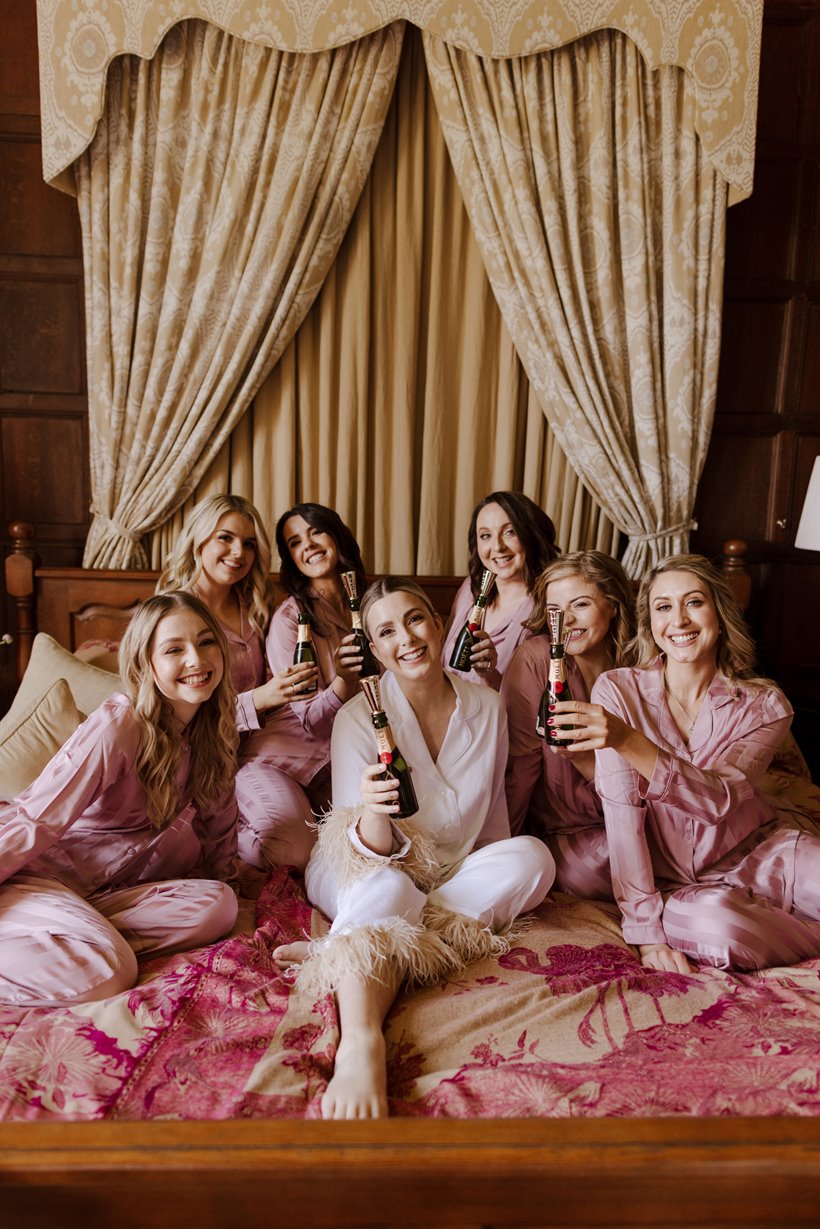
223	556
703	870
550	792
121	846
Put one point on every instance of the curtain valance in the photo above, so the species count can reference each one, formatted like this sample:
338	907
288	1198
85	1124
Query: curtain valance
717	42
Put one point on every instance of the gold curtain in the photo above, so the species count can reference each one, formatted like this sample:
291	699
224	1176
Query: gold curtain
601	224
401	401
213	199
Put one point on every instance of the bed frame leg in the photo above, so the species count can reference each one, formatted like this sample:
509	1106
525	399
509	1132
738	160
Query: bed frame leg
20	585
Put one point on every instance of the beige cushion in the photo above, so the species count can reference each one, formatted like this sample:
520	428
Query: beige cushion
50	662
40	732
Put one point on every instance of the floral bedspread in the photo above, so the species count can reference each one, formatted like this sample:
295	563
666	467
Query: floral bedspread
567	1023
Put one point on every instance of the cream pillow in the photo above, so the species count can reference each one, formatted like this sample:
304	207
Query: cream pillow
40	732
49	662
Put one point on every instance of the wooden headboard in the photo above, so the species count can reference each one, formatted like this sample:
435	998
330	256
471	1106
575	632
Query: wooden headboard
400	1172
78	604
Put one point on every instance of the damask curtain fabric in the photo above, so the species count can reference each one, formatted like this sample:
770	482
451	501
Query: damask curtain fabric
401	400
213	199
601	226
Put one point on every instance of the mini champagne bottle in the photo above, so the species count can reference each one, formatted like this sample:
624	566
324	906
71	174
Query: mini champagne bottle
370	666
460	656
305	652
557	687
395	765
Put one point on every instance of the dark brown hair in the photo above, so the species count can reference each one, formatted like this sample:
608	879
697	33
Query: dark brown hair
535	530
325	520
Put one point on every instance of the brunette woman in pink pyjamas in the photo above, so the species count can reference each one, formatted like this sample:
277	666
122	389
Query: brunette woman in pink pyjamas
315	548
120	847
223	556
702	868
513	538
550	792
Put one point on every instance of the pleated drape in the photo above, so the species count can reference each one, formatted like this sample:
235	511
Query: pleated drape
401	401
213	200
601	225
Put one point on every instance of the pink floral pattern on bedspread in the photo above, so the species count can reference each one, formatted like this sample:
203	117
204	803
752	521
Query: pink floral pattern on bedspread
566	1024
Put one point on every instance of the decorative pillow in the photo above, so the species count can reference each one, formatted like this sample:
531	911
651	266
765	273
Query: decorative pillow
39	733
50	662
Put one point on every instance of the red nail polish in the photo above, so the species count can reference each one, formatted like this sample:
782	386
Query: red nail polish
552	708
550	721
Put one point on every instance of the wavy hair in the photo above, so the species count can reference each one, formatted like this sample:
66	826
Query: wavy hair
294	582
735	648
211	733
535	530
184	565
609	578
394	584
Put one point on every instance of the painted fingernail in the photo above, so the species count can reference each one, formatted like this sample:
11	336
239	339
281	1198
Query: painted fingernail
552	708
550	721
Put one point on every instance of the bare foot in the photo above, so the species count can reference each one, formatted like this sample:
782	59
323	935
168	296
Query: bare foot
358	1088
291	953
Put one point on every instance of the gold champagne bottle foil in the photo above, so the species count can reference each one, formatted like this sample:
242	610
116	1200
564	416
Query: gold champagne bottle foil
349	582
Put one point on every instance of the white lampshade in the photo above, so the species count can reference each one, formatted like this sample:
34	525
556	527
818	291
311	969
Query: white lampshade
808	531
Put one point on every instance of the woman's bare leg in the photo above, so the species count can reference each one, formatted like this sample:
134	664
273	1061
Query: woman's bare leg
358	1088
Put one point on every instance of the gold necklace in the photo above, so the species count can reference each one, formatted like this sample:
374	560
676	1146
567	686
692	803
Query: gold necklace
682	707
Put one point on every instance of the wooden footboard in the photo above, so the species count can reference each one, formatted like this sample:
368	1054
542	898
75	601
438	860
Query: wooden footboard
262	1175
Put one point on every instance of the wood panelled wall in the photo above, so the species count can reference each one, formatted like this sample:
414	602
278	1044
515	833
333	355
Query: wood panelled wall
767	430
767	425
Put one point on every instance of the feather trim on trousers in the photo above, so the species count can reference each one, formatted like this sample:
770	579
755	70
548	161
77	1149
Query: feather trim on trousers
389	952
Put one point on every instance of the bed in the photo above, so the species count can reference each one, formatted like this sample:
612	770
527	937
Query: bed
559	1084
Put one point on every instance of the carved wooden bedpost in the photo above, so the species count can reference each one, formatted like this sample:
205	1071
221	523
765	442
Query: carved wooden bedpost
733	567
20	586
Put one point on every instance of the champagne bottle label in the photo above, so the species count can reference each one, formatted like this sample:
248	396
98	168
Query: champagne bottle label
395	766
355	618
557	688
304	652
385	744
460	657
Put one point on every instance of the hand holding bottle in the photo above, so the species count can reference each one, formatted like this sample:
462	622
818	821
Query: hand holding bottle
294	683
591	727
380	793
347	658
483	654
381	799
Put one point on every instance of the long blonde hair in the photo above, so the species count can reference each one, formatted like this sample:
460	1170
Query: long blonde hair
211	734
609	577
735	648
184	565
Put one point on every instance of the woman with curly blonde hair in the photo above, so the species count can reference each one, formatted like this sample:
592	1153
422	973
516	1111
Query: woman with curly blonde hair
101	857
702	867
551	793
224	556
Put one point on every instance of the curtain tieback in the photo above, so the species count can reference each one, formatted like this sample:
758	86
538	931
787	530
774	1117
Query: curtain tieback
118	529
683	527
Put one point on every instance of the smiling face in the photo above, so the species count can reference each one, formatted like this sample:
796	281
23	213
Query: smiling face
406	636
312	550
499	547
683	617
228	555
587	613
186	662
